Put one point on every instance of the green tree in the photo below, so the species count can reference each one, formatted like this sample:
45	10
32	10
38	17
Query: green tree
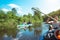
14	10
37	14
8	23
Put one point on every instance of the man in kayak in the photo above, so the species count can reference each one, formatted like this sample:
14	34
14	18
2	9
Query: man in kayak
24	23
29	22
55	23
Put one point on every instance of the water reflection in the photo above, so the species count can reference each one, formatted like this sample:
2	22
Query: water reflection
30	28
31	33
37	32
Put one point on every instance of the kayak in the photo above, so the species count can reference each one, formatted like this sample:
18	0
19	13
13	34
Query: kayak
55	35
23	26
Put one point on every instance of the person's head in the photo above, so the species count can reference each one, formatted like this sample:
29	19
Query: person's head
56	17
24	21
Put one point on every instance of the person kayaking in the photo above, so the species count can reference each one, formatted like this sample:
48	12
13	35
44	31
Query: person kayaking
56	23
29	22
49	21
24	22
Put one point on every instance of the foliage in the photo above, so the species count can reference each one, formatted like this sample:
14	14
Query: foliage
8	23
9	20
37	15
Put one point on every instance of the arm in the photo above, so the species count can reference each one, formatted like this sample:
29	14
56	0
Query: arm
48	20
50	17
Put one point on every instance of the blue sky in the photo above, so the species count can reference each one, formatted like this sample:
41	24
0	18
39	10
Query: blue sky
24	6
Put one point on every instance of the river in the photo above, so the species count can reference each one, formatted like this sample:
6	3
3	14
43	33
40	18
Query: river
29	34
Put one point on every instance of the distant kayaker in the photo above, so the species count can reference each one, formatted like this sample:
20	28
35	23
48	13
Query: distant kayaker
24	22
29	22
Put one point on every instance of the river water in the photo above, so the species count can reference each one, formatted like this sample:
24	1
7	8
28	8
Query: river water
29	34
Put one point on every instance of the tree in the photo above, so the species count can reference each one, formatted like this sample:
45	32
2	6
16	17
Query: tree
3	16
37	14
11	14
29	16
14	10
8	23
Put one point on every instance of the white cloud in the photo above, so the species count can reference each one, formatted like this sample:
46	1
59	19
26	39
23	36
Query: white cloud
13	5
4	9
18	8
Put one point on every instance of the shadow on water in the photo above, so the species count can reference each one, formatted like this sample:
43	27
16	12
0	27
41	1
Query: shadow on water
31	33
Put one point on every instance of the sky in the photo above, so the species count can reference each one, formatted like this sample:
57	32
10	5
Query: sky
24	6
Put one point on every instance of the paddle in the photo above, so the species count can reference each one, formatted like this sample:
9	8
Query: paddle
49	16
45	14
